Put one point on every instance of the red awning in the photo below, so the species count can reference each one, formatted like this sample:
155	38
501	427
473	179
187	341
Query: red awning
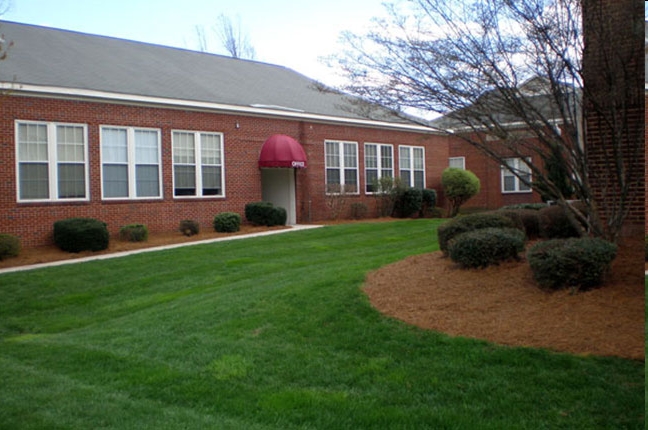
282	151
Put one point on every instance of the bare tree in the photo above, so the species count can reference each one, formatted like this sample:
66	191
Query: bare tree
507	75
233	39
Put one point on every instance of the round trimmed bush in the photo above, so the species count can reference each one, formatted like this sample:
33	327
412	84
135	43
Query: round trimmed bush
189	227
428	202
265	213
81	234
134	233
487	246
408	202
555	224
459	186
471	222
574	262
9	246
227	222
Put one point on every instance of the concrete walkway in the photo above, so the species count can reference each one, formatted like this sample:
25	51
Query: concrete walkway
152	249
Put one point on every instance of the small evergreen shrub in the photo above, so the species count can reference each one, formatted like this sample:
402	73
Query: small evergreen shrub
459	186
359	210
574	262
554	222
134	233
428	202
408	202
189	227
524	219
81	234
531	206
9	246
227	222
487	246
471	222
265	213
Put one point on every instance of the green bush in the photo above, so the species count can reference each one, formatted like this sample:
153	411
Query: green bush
428	202
359	210
487	246
574	262
532	206
471	222
81	234
189	227
9	246
524	219
227	222
265	213
408	202
554	222
459	186
134	233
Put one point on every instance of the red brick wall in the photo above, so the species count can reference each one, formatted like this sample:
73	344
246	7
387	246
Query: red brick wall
613	70
489	173
33	221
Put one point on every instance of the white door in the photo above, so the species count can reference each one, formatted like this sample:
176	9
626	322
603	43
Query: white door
278	188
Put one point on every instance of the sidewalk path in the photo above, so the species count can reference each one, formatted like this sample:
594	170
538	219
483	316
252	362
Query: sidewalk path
152	249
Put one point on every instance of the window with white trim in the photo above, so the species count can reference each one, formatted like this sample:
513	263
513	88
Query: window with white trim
457	162
130	163
379	163
52	161
197	164
512	183
412	166
341	166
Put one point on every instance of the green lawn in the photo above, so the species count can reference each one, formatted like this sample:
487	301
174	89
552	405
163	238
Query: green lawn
275	333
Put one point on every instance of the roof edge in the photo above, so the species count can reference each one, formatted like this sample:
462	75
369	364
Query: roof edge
85	94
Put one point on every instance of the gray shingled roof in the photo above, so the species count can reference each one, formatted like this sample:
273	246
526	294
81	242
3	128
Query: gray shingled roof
66	59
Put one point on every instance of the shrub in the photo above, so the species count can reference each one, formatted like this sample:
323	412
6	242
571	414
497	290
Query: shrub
227	222
466	223
134	233
81	234
574	262
359	210
189	227
532	206
408	202
487	246
555	224
265	213
428	202
9	246
524	219
458	186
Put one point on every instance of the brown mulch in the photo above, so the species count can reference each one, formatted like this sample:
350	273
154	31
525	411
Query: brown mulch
503	304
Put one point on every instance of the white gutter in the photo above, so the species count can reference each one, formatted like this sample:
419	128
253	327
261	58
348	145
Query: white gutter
83	94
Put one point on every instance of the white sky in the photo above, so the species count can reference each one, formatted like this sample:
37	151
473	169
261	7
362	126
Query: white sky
291	33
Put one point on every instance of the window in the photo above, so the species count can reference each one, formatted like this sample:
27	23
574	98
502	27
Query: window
379	163
52	161
130	159
341	166
457	162
412	166
197	164
512	183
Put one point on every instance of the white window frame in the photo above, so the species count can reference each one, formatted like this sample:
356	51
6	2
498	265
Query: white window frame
198	164
342	167
380	168
457	160
410	167
52	162
131	163
519	164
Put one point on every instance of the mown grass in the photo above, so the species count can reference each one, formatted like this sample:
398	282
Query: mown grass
275	333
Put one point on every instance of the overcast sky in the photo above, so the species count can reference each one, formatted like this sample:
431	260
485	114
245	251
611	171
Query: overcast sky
291	33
